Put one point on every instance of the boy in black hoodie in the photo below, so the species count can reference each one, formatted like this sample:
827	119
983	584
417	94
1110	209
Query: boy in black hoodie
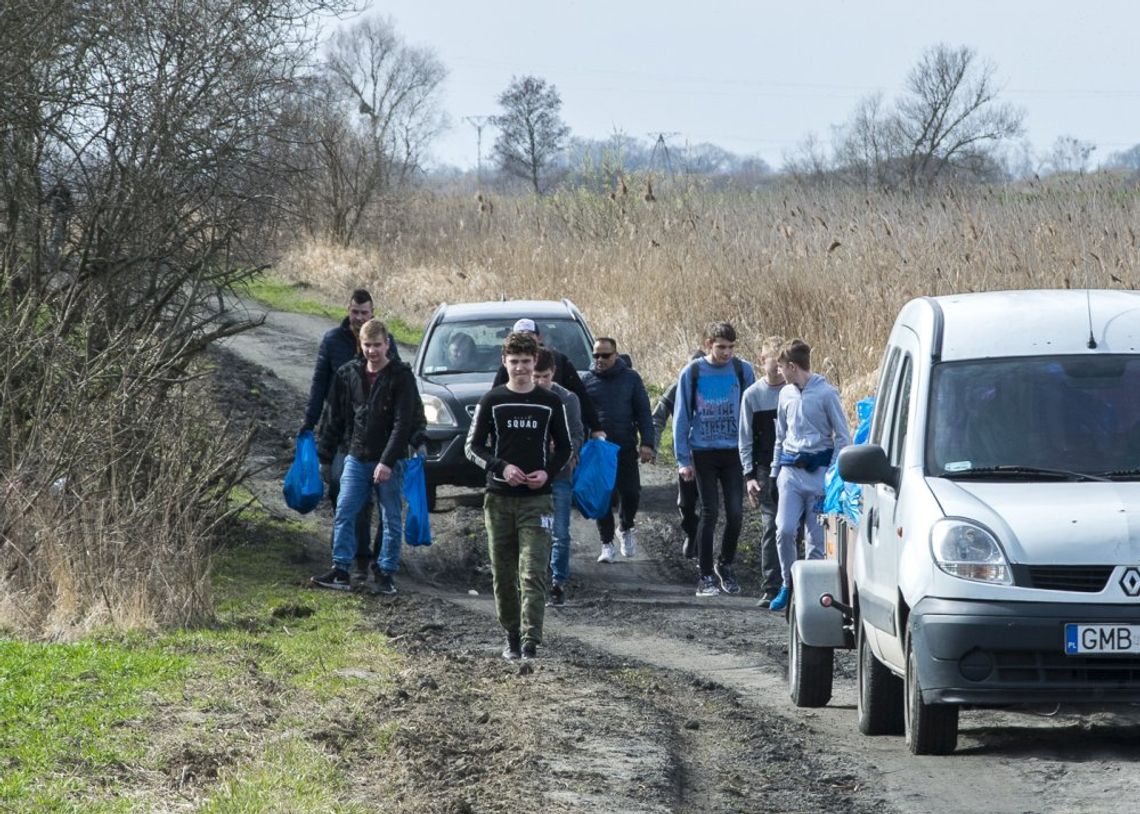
375	403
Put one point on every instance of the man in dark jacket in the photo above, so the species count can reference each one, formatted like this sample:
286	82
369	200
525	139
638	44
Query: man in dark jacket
564	374
339	346
376	406
619	396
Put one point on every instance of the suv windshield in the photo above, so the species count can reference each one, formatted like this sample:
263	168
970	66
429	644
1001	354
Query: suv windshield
1069	414
476	346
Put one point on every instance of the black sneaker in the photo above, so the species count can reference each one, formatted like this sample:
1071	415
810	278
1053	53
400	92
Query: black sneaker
529	651
385	583
689	548
706	586
557	595
335	578
512	651
360	571
728	582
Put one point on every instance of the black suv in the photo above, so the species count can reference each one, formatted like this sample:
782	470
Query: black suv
456	364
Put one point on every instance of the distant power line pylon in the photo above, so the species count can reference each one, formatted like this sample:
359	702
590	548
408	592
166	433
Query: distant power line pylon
662	143
478	122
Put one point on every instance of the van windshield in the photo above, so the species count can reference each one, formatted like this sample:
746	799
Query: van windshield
1035	416
476	346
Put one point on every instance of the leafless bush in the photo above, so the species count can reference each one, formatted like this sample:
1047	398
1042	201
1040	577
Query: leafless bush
137	172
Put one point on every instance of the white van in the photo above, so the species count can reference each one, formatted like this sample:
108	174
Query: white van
996	561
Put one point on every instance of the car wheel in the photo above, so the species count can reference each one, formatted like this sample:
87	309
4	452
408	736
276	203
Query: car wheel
931	729
809	669
880	698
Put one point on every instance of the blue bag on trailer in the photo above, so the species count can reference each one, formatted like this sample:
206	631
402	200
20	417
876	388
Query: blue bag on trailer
417	525
303	486
840	496
594	477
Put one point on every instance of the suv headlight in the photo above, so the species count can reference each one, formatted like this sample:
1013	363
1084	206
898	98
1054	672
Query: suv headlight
437	412
967	551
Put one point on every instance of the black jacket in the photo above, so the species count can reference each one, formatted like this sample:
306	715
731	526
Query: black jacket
619	397
567	376
380	422
338	346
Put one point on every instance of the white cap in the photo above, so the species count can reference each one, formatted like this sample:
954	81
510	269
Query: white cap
525	324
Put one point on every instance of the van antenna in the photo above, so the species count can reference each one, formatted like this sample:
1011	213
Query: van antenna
1088	302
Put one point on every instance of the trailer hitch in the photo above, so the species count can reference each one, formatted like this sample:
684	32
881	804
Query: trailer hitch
829	601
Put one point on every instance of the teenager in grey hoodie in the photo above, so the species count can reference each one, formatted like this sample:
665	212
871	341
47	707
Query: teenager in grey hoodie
810	430
560	486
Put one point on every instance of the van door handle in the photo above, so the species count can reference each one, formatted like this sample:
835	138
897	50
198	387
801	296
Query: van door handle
874	520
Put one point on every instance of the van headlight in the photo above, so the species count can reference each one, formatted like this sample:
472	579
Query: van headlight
437	412
967	551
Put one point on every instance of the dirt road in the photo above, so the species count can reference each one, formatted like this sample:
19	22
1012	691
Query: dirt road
646	698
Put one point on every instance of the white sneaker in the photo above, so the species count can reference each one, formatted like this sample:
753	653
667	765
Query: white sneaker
628	544
607	554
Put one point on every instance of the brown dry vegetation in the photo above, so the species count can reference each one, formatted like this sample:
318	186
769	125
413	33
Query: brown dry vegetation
831	266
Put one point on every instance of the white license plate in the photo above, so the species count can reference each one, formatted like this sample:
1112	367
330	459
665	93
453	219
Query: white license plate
1108	639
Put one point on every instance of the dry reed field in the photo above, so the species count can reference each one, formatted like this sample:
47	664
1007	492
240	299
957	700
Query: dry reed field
830	266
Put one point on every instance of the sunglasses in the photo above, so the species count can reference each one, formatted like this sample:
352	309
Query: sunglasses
603	355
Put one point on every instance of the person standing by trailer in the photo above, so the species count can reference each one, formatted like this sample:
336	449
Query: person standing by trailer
706	426
811	429
520	438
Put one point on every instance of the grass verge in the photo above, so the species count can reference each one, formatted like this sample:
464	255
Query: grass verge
298	298
247	714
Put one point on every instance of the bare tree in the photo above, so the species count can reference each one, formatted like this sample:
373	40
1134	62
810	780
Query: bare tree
1125	159
531	133
866	148
373	113
1069	154
807	162
137	182
950	118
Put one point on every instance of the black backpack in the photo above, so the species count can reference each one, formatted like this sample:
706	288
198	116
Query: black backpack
694	374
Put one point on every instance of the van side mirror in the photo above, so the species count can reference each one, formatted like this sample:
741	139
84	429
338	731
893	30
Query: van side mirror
867	463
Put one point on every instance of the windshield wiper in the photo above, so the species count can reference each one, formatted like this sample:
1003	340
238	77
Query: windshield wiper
1122	474
1026	471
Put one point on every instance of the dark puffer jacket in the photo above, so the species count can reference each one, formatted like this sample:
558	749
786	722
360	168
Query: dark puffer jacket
338	346
379	422
619	397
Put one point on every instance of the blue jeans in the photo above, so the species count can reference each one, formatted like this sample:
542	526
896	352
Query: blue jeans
560	548
355	486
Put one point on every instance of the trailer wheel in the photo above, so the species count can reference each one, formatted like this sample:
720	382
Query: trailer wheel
810	669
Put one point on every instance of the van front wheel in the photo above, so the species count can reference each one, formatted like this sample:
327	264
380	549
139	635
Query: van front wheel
931	729
880	699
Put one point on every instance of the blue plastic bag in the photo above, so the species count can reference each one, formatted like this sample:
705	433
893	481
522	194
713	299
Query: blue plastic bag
593	481
841	497
417	525
303	486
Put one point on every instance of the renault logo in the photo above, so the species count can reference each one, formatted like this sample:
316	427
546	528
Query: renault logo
1130	581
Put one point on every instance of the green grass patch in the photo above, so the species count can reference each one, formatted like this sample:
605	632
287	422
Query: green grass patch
296	298
236	710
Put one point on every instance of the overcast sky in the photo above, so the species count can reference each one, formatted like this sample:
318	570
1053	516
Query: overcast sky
757	77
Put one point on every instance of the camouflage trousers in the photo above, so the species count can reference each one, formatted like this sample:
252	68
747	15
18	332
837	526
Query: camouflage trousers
518	537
